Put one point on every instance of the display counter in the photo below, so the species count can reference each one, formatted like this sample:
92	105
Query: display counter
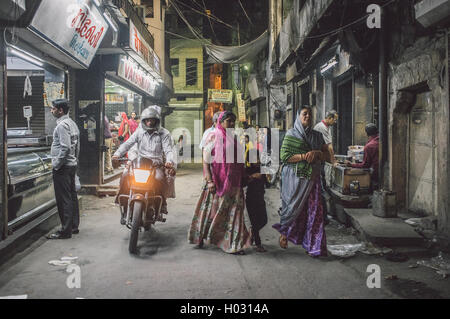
30	184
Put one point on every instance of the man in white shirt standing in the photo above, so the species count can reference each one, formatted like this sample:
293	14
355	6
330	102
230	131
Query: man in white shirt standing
64	151
324	127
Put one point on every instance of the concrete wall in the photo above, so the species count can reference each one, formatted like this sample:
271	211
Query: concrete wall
156	28
182	50
421	64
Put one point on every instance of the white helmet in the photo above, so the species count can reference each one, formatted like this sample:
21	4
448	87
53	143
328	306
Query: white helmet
151	112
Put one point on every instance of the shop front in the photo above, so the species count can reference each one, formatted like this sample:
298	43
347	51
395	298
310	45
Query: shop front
128	90
39	61
123	78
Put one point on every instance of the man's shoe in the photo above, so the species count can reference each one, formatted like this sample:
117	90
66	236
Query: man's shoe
75	231
58	235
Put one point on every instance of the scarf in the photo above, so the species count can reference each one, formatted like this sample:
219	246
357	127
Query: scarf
300	140
226	175
122	125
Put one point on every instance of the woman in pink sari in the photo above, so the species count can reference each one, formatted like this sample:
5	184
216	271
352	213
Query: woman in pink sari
133	123
219	215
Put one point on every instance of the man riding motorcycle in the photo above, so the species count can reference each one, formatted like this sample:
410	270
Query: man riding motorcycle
154	142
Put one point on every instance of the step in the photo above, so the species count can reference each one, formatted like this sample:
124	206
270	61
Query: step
387	232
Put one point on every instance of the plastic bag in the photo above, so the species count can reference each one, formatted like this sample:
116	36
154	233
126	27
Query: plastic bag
77	183
346	250
438	263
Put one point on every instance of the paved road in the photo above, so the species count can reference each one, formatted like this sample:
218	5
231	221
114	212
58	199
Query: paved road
168	267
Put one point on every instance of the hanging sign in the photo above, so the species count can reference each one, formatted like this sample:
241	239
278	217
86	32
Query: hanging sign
220	96
241	107
76	27
140	47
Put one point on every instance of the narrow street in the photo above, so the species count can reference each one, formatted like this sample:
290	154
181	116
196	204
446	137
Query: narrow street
168	267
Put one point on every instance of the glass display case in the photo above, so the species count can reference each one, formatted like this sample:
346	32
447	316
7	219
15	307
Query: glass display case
30	184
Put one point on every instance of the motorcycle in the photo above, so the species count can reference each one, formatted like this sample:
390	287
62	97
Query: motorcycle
144	201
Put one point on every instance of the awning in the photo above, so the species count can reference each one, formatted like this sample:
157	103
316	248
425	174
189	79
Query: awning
237	54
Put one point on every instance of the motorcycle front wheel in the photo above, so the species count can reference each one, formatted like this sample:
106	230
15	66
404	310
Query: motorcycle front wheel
135	225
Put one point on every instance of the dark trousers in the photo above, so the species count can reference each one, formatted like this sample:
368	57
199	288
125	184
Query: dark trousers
66	198
256	208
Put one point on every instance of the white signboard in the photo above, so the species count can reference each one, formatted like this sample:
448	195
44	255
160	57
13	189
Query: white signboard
140	46
241	107
130	71
76	27
220	96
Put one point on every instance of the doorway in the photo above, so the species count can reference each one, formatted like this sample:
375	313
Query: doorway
421	160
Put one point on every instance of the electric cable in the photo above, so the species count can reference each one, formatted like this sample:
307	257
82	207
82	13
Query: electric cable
245	12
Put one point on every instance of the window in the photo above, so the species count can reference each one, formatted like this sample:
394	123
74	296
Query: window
148	4
191	72
175	67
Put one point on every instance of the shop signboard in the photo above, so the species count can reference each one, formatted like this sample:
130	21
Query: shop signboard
140	49
132	73
76	27
220	96
241	107
157	63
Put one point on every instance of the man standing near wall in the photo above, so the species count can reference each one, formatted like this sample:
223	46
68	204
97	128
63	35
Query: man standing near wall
324	127
64	151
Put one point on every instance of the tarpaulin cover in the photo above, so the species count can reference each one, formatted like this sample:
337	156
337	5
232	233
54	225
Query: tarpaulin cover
237	54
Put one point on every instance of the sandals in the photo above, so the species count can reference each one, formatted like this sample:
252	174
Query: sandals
260	249
283	242
200	245
240	252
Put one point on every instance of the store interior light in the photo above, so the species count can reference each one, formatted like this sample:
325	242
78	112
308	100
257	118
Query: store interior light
26	56
109	21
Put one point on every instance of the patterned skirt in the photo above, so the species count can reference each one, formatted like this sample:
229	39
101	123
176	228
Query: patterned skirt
220	221
308	228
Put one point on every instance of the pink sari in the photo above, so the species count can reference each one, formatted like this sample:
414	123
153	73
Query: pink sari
219	217
226	174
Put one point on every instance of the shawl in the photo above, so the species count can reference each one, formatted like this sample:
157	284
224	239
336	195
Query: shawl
227	174
300	140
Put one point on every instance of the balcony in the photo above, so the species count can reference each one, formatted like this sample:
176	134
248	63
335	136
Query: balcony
129	8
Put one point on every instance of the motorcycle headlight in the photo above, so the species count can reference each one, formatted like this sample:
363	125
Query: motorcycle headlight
141	175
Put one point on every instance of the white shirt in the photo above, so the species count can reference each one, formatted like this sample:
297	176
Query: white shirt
325	130
157	146
205	136
66	143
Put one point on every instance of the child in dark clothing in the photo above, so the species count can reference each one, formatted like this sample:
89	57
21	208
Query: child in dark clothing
254	200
